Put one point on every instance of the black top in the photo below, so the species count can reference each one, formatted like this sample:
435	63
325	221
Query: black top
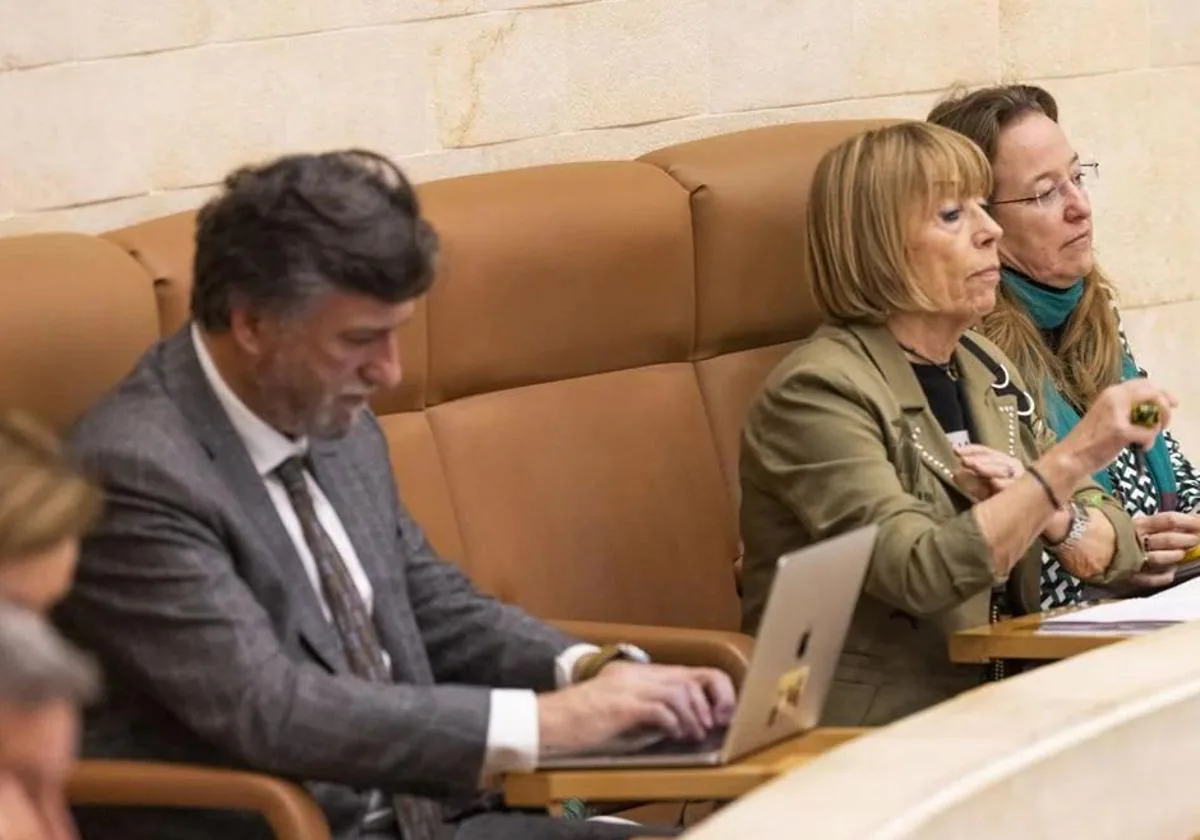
945	396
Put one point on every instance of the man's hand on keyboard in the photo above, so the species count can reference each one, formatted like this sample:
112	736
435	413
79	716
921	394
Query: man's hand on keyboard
685	703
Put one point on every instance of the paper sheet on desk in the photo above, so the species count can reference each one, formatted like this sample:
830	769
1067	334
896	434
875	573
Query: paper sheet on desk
1133	615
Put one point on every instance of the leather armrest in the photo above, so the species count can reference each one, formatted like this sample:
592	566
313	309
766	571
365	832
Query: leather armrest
674	645
287	808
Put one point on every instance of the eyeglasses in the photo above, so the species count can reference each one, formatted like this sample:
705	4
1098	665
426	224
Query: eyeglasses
1088	173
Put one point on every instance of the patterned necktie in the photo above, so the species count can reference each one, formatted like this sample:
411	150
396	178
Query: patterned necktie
420	819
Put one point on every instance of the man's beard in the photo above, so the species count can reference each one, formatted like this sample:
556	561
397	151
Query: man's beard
330	420
302	412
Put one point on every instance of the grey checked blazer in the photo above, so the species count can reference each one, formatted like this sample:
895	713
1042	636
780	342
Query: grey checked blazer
213	640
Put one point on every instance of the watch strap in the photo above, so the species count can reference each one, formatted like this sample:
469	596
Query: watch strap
591	664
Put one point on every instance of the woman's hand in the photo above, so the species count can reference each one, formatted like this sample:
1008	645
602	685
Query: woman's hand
1091	555
1166	538
1001	488
985	471
1106	428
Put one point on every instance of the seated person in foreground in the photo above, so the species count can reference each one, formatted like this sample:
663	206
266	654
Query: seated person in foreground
1056	315
45	505
256	590
895	414
43	682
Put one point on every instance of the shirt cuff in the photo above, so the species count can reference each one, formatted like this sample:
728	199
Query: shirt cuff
564	665
512	734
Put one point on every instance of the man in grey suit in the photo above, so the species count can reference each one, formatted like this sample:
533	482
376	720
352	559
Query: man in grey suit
257	592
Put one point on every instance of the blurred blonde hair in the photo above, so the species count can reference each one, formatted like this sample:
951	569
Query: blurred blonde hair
1089	353
43	500
867	193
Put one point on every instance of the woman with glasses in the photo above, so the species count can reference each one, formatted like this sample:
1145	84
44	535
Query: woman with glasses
1055	315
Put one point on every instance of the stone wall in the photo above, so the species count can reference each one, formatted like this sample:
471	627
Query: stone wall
118	110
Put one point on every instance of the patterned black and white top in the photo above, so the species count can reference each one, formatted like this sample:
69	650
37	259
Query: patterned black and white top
1137	493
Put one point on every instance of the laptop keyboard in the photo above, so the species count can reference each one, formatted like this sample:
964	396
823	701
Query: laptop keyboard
641	742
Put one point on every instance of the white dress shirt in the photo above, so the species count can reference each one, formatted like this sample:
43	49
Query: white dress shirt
512	733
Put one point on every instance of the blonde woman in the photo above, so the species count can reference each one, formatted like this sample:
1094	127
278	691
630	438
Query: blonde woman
45	507
894	414
1055	315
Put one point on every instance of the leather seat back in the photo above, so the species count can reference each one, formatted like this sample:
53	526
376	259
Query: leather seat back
77	314
565	408
749	207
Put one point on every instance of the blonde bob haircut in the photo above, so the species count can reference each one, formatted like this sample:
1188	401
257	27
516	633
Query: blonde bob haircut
43	499
867	195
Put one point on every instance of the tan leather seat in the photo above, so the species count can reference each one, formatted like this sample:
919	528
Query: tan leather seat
165	248
77	314
568	417
749	208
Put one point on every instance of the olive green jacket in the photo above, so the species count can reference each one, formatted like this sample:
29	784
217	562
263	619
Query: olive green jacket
841	436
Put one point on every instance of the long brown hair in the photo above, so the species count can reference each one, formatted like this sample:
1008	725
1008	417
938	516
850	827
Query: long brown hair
1089	354
43	499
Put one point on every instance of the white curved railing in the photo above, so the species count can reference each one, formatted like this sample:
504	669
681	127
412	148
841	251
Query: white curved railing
1104	745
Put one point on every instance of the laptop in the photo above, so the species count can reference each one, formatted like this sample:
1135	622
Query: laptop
791	670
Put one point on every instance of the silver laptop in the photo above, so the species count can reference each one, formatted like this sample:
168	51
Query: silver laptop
799	642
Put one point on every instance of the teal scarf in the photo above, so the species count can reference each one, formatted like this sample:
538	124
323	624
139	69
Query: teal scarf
1050	309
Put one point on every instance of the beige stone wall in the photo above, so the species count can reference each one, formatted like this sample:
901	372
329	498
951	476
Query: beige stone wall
116	110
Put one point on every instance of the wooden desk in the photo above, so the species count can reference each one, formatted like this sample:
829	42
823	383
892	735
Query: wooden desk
1022	638
550	788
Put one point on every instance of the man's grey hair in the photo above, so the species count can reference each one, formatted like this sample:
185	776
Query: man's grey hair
38	666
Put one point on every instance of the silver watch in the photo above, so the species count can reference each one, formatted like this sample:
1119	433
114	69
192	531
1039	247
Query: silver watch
1079	523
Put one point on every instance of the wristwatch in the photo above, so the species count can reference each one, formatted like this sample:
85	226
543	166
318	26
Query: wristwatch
590	664
1078	524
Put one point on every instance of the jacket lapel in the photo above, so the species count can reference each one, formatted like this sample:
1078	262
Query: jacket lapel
916	421
993	413
186	383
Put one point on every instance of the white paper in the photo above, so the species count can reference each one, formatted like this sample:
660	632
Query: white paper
1180	603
